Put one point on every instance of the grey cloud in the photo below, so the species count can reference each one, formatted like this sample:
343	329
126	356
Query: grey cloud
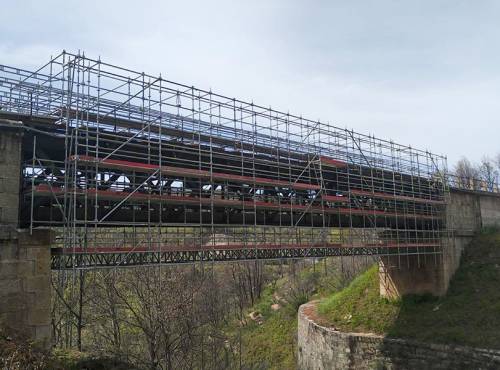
423	73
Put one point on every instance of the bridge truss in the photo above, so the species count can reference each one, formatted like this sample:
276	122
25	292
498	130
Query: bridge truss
132	169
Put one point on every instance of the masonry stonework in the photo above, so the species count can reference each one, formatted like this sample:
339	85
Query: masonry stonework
322	348
10	173
25	292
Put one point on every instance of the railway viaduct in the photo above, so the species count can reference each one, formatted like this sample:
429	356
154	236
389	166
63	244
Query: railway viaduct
103	167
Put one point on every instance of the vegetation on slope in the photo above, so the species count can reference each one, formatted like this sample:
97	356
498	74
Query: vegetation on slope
469	314
268	341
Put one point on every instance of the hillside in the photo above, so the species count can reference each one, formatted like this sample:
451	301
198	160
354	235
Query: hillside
469	314
268	334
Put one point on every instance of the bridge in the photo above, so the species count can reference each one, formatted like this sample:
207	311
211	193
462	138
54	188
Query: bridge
104	167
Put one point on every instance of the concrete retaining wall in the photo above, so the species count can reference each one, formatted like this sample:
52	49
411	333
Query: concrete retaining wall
471	210
490	210
324	348
466	213
463	211
421	274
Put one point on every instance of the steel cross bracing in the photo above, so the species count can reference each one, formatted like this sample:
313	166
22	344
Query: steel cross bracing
117	161
97	259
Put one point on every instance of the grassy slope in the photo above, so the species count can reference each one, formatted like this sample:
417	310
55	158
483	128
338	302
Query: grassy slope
272	344
469	314
359	306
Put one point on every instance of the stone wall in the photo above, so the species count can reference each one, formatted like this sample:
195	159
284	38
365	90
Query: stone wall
324	348
10	173
25	290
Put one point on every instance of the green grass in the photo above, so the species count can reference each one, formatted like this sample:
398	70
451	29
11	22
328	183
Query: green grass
272	343
469	314
359	307
269	344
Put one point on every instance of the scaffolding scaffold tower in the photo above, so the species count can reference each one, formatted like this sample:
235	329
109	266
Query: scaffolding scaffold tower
134	169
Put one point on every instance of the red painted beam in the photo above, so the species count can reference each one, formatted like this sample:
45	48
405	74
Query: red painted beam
45	190
189	172
375	212
335	198
330	162
394	197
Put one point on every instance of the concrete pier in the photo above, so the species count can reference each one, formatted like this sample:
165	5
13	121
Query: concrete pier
466	213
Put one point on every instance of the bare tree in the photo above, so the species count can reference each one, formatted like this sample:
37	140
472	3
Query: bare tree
68	308
105	316
466	174
488	173
496	160
175	317
249	279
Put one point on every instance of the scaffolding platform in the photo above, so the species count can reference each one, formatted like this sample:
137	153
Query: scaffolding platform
108	148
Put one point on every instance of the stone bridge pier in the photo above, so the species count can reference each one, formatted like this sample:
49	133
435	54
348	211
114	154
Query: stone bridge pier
25	293
467	212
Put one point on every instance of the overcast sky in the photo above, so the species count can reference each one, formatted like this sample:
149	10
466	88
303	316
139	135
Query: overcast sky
425	73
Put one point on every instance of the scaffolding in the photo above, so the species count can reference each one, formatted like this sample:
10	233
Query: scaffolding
135	169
